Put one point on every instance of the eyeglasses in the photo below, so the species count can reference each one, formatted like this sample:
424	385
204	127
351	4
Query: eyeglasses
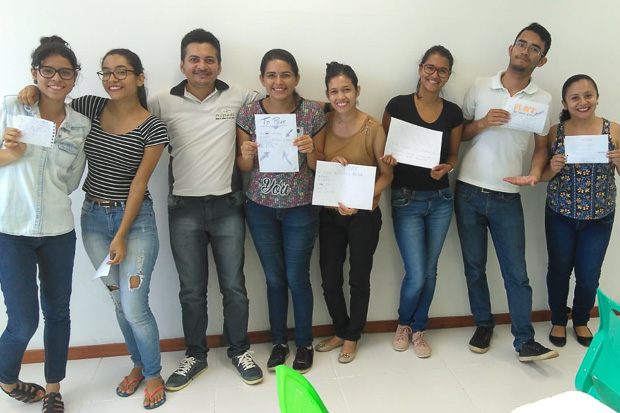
441	72
49	72
119	74
283	75
533	49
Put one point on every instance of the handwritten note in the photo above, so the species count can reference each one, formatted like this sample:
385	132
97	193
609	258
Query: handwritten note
35	131
104	268
413	145
275	135
526	115
351	185
586	148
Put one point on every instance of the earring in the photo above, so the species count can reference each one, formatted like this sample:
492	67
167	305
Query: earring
35	81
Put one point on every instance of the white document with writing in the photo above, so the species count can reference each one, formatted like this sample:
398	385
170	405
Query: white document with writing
413	144
35	131
526	115
586	148
275	135
351	185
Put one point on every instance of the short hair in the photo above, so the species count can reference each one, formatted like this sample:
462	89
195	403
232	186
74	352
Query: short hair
201	36
544	35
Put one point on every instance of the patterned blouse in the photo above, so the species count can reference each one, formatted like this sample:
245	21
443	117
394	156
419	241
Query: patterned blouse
287	189
582	191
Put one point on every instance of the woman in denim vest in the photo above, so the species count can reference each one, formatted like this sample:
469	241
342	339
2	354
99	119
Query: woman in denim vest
37	233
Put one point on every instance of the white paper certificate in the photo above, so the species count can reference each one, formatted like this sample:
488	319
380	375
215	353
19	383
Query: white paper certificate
413	145
526	115
275	135
586	148
35	131
351	185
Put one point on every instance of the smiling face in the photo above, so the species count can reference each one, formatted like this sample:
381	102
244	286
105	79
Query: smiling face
54	88
201	67
523	57
342	94
433	82
581	99
279	80
123	88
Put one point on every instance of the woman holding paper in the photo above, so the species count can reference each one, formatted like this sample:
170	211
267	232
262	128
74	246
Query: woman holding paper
36	223
421	197
282	221
352	137
580	208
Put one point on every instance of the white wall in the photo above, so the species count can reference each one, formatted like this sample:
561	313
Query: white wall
383	41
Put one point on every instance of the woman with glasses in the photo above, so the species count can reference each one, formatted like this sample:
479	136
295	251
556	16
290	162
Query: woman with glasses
581	204
421	197
282	220
118	222
352	137
36	223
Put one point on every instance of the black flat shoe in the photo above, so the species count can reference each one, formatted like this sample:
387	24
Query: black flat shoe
558	341
584	340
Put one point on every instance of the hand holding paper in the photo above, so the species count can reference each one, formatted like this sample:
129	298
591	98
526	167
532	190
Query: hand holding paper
412	144
275	135
526	115
35	131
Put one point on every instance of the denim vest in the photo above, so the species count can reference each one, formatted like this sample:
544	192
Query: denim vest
34	190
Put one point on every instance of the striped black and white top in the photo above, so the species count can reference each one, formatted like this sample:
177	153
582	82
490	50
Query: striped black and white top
113	160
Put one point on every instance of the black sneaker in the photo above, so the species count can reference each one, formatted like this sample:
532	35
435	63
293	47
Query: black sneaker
303	359
189	369
481	340
248	370
279	354
534	351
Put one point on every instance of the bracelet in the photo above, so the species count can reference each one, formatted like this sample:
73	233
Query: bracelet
451	166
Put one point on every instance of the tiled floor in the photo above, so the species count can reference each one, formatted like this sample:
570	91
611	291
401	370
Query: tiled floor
378	380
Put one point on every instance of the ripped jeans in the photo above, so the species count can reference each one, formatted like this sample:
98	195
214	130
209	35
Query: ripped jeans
128	282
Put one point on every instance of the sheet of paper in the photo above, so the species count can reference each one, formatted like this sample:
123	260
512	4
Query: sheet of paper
275	135
413	145
526	115
586	148
35	131
104	268
351	185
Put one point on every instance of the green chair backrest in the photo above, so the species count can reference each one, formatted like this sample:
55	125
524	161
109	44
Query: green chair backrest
296	394
599	374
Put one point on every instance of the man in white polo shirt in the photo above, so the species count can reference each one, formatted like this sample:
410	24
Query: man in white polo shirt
487	195
205	204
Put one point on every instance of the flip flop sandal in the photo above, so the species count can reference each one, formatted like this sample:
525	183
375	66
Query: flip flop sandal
52	403
150	397
128	383
25	392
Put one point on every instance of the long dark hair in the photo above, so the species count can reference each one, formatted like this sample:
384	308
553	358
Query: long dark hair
284	55
565	114
441	51
135	62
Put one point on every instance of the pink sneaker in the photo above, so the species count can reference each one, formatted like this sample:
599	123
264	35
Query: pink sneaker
400	342
420	346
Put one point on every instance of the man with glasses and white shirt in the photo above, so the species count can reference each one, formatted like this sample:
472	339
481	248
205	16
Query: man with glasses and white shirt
205	204
487	192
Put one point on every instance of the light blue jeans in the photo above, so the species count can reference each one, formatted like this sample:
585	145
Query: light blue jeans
137	323
421	220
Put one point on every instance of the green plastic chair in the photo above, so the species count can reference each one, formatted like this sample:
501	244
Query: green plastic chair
296	394
599	374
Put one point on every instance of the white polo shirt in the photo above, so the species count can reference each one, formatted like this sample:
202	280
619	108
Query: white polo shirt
496	152
202	137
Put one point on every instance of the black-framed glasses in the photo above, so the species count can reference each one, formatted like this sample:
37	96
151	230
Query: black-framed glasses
119	74
429	69
532	48
49	72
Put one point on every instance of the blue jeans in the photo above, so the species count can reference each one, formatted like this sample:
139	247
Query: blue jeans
137	323
579	245
196	222
18	277
477	210
284	239
421	220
